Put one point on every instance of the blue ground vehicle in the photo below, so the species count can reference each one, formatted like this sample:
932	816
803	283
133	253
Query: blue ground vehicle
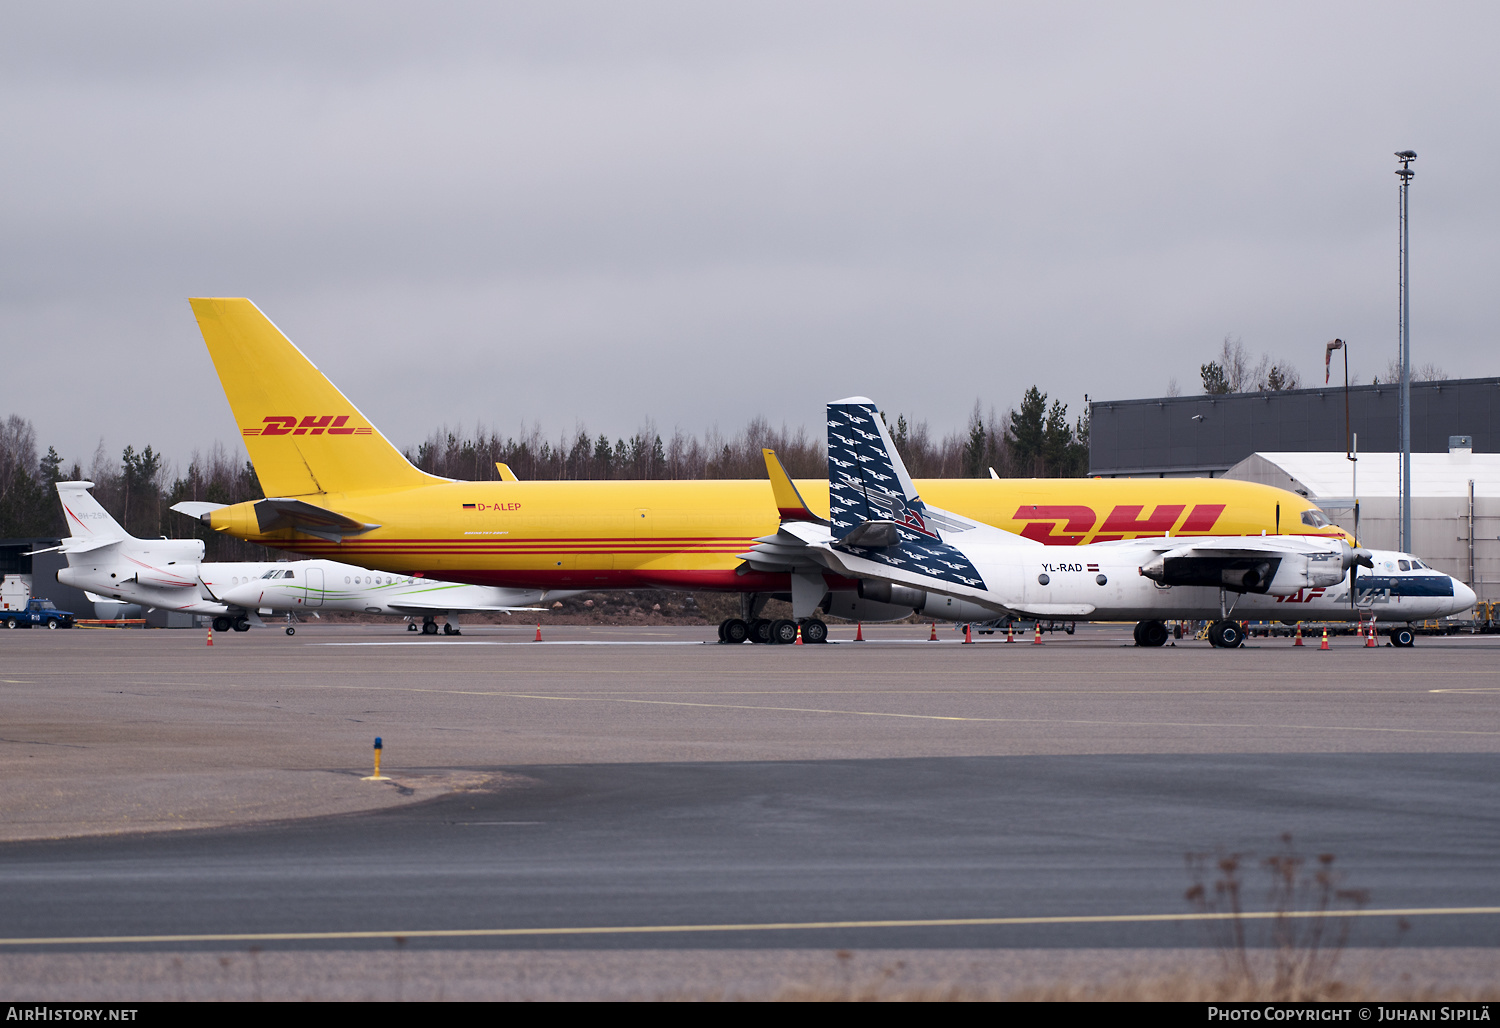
38	613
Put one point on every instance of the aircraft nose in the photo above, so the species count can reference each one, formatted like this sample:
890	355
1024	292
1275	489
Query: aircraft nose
1463	596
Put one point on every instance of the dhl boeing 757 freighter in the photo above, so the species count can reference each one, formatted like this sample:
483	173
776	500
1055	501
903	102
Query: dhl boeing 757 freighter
335	487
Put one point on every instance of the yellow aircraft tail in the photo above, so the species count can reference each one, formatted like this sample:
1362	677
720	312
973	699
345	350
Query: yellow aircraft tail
303	435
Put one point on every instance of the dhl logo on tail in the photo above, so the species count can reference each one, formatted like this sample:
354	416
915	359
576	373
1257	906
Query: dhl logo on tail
287	424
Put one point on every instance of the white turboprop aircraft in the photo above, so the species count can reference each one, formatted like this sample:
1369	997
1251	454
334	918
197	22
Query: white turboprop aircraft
110	564
902	551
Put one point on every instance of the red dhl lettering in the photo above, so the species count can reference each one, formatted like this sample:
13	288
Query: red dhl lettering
1122	522
311	424
1303	595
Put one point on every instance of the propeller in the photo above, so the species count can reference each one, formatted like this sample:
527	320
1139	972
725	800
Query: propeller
1358	556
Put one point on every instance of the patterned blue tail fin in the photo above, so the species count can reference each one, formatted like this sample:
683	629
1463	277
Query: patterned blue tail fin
866	479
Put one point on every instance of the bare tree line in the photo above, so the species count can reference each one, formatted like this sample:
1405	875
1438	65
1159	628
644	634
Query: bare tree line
1234	370
139	487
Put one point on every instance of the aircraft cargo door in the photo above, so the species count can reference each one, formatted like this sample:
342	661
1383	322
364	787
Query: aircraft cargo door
314	588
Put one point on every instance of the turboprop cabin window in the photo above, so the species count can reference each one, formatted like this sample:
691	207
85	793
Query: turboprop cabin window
1315	518
1403	565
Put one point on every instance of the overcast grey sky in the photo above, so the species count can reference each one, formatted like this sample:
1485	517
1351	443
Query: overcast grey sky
600	212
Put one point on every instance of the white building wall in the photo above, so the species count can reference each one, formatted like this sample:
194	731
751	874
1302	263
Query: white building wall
1440	523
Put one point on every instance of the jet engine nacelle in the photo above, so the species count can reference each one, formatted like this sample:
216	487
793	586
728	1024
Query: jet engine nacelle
929	605
946	608
849	605
886	592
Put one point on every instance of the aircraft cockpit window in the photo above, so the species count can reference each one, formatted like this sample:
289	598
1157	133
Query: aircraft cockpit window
1315	519
1404	565
1417	565
291	574
269	574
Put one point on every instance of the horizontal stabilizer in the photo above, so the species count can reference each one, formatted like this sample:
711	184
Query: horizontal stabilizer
282	512
199	509
77	545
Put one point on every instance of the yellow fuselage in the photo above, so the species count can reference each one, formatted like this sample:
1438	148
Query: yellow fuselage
687	534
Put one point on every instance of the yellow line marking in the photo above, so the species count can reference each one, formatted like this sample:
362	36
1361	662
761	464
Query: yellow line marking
779	926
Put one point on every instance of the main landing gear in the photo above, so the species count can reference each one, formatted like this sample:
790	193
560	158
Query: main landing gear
1226	634
779	632
1150	633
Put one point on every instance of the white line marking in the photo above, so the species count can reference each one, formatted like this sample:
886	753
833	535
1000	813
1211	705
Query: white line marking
782	926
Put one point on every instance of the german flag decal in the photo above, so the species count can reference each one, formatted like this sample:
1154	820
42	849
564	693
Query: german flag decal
469	506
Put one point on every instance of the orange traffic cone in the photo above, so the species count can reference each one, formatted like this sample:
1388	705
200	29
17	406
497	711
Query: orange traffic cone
859	631
538	634
1298	641
799	635
1010	631
210	635
1325	638
968	634
933	637
1370	635
1037	641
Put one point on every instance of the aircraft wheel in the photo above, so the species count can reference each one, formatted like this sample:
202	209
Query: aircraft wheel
411	626
783	631
1152	633
1226	634
760	631
721	628
1138	626
814	631
222	624
429	628
1403	637
290	630
734	631
242	624
448	630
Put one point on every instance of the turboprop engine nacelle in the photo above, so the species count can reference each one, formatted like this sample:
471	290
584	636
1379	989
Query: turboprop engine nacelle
1316	570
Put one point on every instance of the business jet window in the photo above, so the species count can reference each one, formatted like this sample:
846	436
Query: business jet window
1315	519
346	579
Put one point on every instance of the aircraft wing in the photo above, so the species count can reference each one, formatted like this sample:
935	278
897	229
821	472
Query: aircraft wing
1255	564
406	607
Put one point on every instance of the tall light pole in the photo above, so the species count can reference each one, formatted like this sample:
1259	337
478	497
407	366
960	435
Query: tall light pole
1404	173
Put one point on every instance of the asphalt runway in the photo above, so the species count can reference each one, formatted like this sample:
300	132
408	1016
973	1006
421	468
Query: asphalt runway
602	796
